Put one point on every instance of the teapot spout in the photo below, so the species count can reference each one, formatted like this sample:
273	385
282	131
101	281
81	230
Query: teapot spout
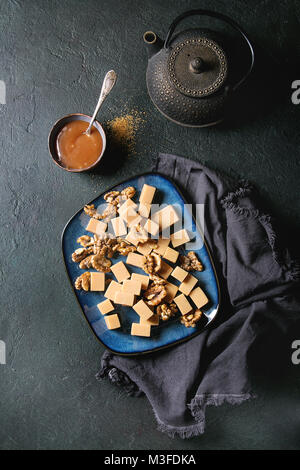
153	43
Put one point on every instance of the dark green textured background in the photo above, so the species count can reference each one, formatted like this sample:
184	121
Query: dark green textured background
54	55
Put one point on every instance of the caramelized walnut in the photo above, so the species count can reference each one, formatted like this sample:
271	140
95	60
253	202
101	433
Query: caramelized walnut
190	320
104	245
109	213
81	253
85	240
152	264
100	263
166	311
91	211
83	281
128	192
155	294
190	262
86	263
157	280
124	248
113	197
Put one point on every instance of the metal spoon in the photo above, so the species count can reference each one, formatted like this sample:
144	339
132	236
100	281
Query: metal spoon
108	83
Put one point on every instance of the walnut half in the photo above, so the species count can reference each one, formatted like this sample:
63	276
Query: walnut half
109	212
90	210
128	192
81	253
190	262
85	241
83	281
100	263
124	248
152	264
86	263
104	245
166	311
113	197
190	320
155	294
157	280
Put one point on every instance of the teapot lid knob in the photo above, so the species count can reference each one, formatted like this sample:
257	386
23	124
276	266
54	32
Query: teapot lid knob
197	65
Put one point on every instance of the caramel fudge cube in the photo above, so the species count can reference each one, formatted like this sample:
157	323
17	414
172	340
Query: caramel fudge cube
147	193
112	289
165	270
130	216
128	203
112	322
124	298
183	304
120	271
152	321
165	217
132	287
179	274
134	221
135	260
143	310
96	226
188	284
132	237
140	329
199	297
180	237
105	307
162	245
142	278
147	247
119	226
97	281
151	227
144	209
171	292
171	255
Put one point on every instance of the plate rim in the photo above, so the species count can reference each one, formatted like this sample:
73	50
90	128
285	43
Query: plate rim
159	348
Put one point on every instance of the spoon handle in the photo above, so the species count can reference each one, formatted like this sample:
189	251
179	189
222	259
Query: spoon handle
108	83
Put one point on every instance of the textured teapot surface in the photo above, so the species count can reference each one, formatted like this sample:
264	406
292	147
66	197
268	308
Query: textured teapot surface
186	82
187	75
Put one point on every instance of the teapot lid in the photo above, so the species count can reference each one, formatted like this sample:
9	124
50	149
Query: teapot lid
197	66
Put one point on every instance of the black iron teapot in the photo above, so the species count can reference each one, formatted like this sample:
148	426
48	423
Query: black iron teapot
188	74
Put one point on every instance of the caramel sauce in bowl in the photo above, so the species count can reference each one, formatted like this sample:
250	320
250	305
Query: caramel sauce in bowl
71	149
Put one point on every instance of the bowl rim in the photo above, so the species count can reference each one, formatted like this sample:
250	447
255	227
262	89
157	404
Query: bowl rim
103	136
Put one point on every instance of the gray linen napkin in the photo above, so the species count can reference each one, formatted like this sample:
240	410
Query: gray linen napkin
259	309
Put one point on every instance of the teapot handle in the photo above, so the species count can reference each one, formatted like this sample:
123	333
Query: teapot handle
223	18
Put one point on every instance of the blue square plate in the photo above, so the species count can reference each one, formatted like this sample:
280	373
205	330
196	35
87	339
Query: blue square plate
166	333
